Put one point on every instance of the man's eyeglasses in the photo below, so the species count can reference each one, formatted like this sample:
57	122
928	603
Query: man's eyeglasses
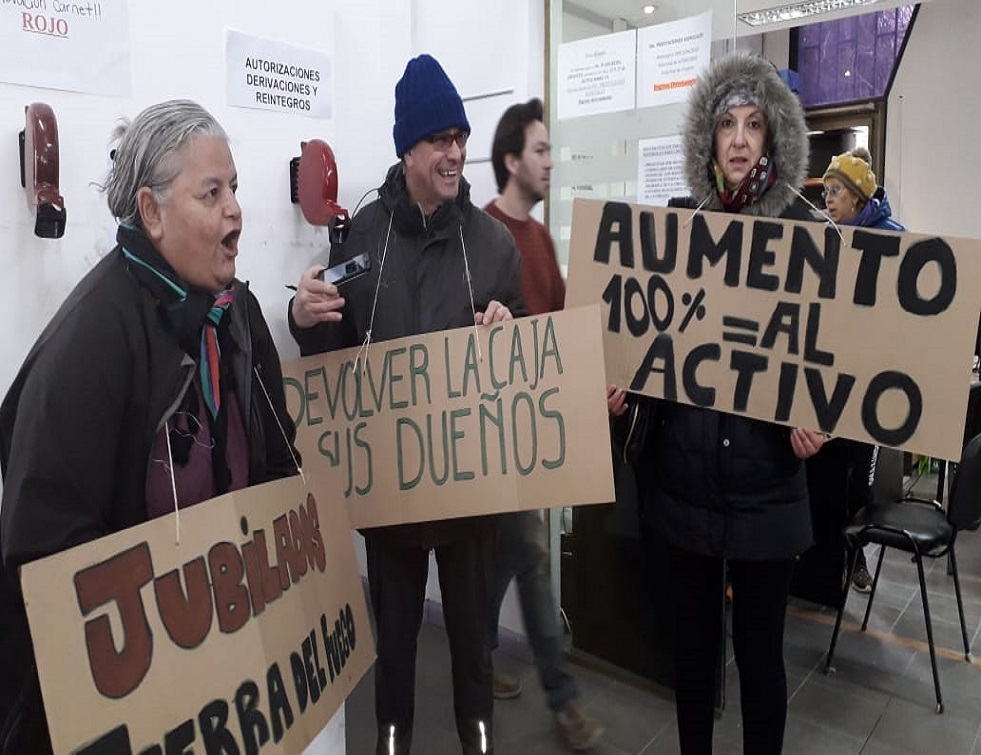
444	140
834	191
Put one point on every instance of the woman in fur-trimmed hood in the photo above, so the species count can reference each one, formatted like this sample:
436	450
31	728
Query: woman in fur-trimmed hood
726	492
769	183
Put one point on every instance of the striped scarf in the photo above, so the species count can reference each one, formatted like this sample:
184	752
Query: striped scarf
194	317
211	351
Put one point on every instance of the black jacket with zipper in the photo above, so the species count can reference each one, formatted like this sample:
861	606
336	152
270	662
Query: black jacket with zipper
423	264
725	485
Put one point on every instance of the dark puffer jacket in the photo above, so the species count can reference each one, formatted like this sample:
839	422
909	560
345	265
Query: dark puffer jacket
719	484
423	289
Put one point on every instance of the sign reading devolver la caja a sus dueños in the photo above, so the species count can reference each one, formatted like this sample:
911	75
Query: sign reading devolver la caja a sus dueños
866	334
243	633
462	422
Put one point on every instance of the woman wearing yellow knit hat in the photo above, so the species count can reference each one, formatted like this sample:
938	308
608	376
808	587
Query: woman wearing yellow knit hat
852	195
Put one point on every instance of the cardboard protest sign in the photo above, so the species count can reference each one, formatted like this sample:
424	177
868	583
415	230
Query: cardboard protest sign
247	634
867	335
457	423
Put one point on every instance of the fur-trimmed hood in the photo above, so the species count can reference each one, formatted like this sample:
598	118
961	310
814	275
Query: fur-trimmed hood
743	72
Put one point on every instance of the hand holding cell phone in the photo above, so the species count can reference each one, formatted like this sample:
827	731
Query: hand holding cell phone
346	271
314	302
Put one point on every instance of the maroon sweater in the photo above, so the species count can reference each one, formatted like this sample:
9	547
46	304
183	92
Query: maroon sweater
541	282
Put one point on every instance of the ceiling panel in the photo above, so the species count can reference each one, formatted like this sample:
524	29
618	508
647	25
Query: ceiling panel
631	13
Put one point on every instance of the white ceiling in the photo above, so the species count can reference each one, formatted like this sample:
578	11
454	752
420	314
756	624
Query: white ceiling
631	11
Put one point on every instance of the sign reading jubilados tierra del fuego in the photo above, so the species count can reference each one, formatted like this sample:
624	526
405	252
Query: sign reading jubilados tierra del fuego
244	632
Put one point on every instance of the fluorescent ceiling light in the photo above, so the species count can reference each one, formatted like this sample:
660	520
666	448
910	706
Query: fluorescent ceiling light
799	10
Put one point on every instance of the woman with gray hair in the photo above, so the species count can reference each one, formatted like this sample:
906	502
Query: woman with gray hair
155	386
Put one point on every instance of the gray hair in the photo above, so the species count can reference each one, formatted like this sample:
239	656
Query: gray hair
147	151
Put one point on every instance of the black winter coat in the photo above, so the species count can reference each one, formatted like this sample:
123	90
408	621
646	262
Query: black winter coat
76	432
78	423
724	485
423	290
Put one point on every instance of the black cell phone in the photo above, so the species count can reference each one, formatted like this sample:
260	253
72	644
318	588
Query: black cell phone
347	270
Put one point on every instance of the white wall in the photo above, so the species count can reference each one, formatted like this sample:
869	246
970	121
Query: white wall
177	50
932	122
575	28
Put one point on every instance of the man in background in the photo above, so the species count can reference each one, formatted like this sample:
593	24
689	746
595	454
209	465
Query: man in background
522	160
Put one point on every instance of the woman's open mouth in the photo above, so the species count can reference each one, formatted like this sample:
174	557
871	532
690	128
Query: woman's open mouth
230	241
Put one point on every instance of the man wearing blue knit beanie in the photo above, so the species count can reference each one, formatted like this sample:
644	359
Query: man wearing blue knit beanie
437	262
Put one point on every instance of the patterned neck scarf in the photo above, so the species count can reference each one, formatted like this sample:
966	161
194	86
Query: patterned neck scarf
211	351
182	299
760	178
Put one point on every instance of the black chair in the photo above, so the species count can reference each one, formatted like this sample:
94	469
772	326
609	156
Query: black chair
922	528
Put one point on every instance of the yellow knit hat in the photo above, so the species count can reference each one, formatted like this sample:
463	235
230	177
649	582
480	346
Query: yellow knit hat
854	170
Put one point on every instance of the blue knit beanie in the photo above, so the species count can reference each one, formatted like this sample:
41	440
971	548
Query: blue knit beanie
426	102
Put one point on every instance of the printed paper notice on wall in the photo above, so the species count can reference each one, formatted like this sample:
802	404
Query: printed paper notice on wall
78	47
270	75
597	75
660	170
670	58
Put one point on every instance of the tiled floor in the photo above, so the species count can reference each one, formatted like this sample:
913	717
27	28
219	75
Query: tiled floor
880	701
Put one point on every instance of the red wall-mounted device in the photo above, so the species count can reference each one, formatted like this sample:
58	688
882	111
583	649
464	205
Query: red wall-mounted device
313	184
39	170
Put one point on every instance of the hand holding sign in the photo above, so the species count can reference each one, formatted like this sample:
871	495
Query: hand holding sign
495	312
616	401
805	442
